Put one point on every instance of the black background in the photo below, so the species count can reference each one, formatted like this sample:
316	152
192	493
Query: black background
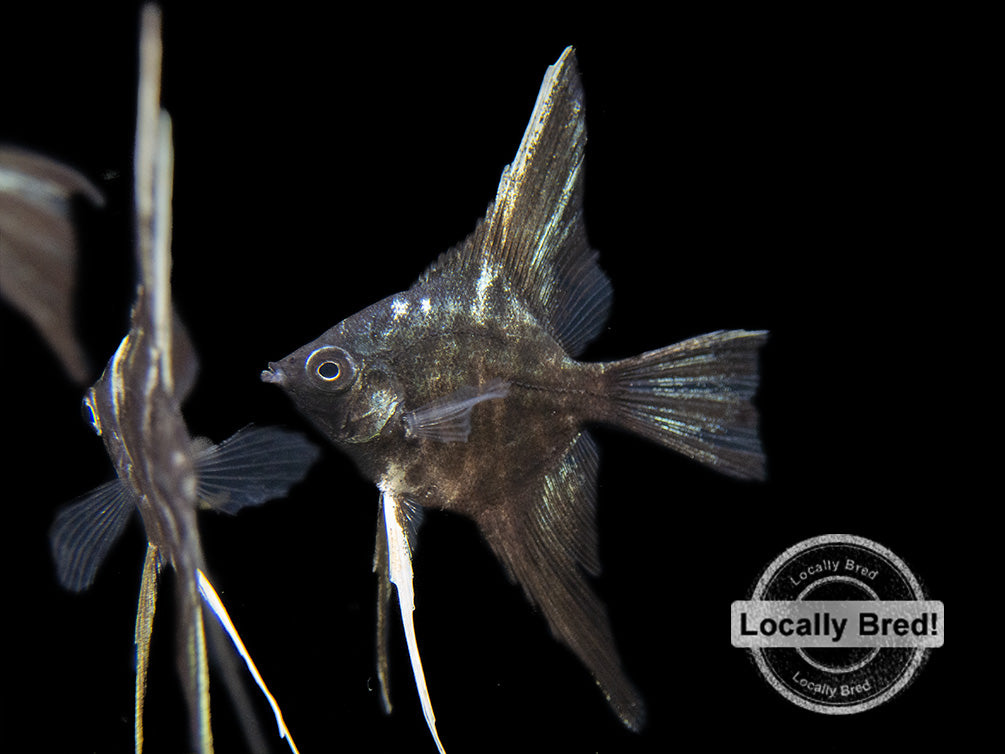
797	174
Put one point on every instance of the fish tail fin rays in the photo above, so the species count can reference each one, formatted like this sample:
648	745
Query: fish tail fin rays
401	520
695	397
215	604
549	548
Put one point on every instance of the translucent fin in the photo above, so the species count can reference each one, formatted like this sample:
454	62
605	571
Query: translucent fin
546	542
252	466
85	530
145	610
214	603
533	231
448	419
695	397
398	522
38	248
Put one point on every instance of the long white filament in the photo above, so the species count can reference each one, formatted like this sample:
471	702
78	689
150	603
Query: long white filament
216	605
399	557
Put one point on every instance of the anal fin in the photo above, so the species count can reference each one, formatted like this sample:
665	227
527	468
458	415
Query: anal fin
548	543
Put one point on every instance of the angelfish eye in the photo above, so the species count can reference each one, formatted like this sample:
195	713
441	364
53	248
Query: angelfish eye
331	368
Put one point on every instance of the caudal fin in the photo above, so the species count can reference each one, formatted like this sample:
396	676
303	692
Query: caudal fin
694	397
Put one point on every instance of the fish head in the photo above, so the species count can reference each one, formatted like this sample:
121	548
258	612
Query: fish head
346	390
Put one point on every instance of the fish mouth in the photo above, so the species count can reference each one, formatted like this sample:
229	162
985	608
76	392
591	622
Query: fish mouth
273	374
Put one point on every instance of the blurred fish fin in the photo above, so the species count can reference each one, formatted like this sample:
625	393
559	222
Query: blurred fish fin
253	465
448	419
85	530
695	397
38	248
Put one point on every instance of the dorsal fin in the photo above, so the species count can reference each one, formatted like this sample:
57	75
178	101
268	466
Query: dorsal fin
38	248
533	232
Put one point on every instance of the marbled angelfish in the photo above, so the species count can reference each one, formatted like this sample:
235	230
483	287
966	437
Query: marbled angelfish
163	473
463	393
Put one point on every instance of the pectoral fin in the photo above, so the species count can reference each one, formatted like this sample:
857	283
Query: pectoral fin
448	419
252	466
85	530
400	519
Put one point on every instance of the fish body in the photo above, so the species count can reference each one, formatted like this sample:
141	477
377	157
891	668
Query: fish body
138	416
465	393
167	476
162	472
417	347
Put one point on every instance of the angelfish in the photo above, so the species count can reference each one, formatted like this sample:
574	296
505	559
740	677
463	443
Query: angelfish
163	473
463	393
